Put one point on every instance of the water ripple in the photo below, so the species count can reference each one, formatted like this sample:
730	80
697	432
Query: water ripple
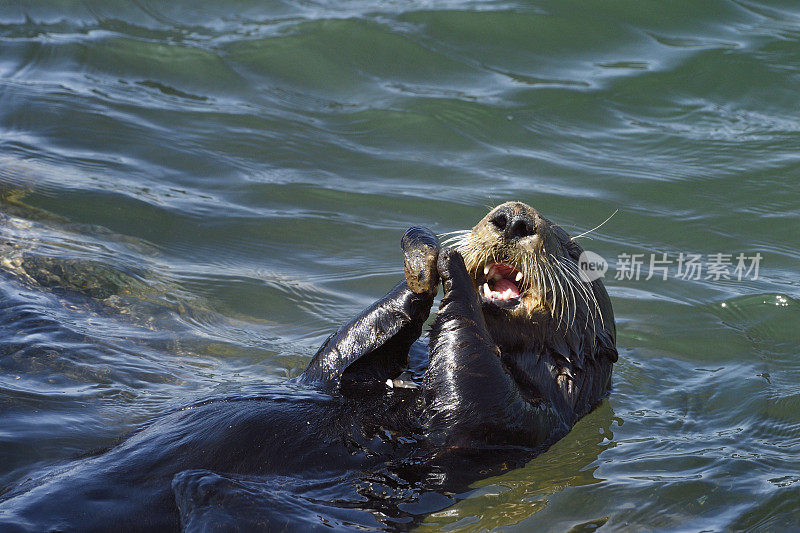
193	197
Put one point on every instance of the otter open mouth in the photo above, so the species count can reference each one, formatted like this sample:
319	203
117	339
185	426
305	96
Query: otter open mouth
500	284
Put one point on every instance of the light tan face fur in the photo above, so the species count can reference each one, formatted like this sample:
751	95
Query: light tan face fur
550	287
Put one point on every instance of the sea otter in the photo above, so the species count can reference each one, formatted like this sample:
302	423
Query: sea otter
521	347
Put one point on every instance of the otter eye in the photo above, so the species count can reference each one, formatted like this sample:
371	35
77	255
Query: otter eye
500	220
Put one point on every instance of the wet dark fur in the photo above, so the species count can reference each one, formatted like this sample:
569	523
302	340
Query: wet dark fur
337	446
567	357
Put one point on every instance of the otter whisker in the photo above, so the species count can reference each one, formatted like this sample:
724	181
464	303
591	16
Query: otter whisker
566	268
548	283
452	232
532	277
588	291
575	283
557	291
455	236
571	287
468	251
540	282
560	276
560	289
525	274
455	241
534	282
584	293
569	280
596	227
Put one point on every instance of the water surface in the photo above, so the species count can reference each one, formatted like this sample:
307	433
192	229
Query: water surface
195	194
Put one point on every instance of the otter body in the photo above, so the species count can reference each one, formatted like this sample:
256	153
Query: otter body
521	348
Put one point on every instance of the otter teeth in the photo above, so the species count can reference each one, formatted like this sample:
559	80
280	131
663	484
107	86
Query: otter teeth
504	287
491	273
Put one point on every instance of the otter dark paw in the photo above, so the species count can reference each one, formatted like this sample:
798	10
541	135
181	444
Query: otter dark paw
450	266
421	249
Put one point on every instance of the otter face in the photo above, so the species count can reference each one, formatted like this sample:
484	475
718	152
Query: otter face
525	271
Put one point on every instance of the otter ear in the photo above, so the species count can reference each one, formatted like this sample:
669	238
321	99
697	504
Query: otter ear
605	346
606	335
573	249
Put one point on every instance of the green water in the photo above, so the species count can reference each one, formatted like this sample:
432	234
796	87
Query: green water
195	194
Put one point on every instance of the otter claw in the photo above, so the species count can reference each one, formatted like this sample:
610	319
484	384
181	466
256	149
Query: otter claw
421	250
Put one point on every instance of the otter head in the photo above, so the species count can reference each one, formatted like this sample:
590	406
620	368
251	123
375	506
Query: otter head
525	270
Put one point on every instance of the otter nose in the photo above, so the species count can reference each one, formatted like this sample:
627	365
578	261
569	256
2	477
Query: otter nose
512	224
